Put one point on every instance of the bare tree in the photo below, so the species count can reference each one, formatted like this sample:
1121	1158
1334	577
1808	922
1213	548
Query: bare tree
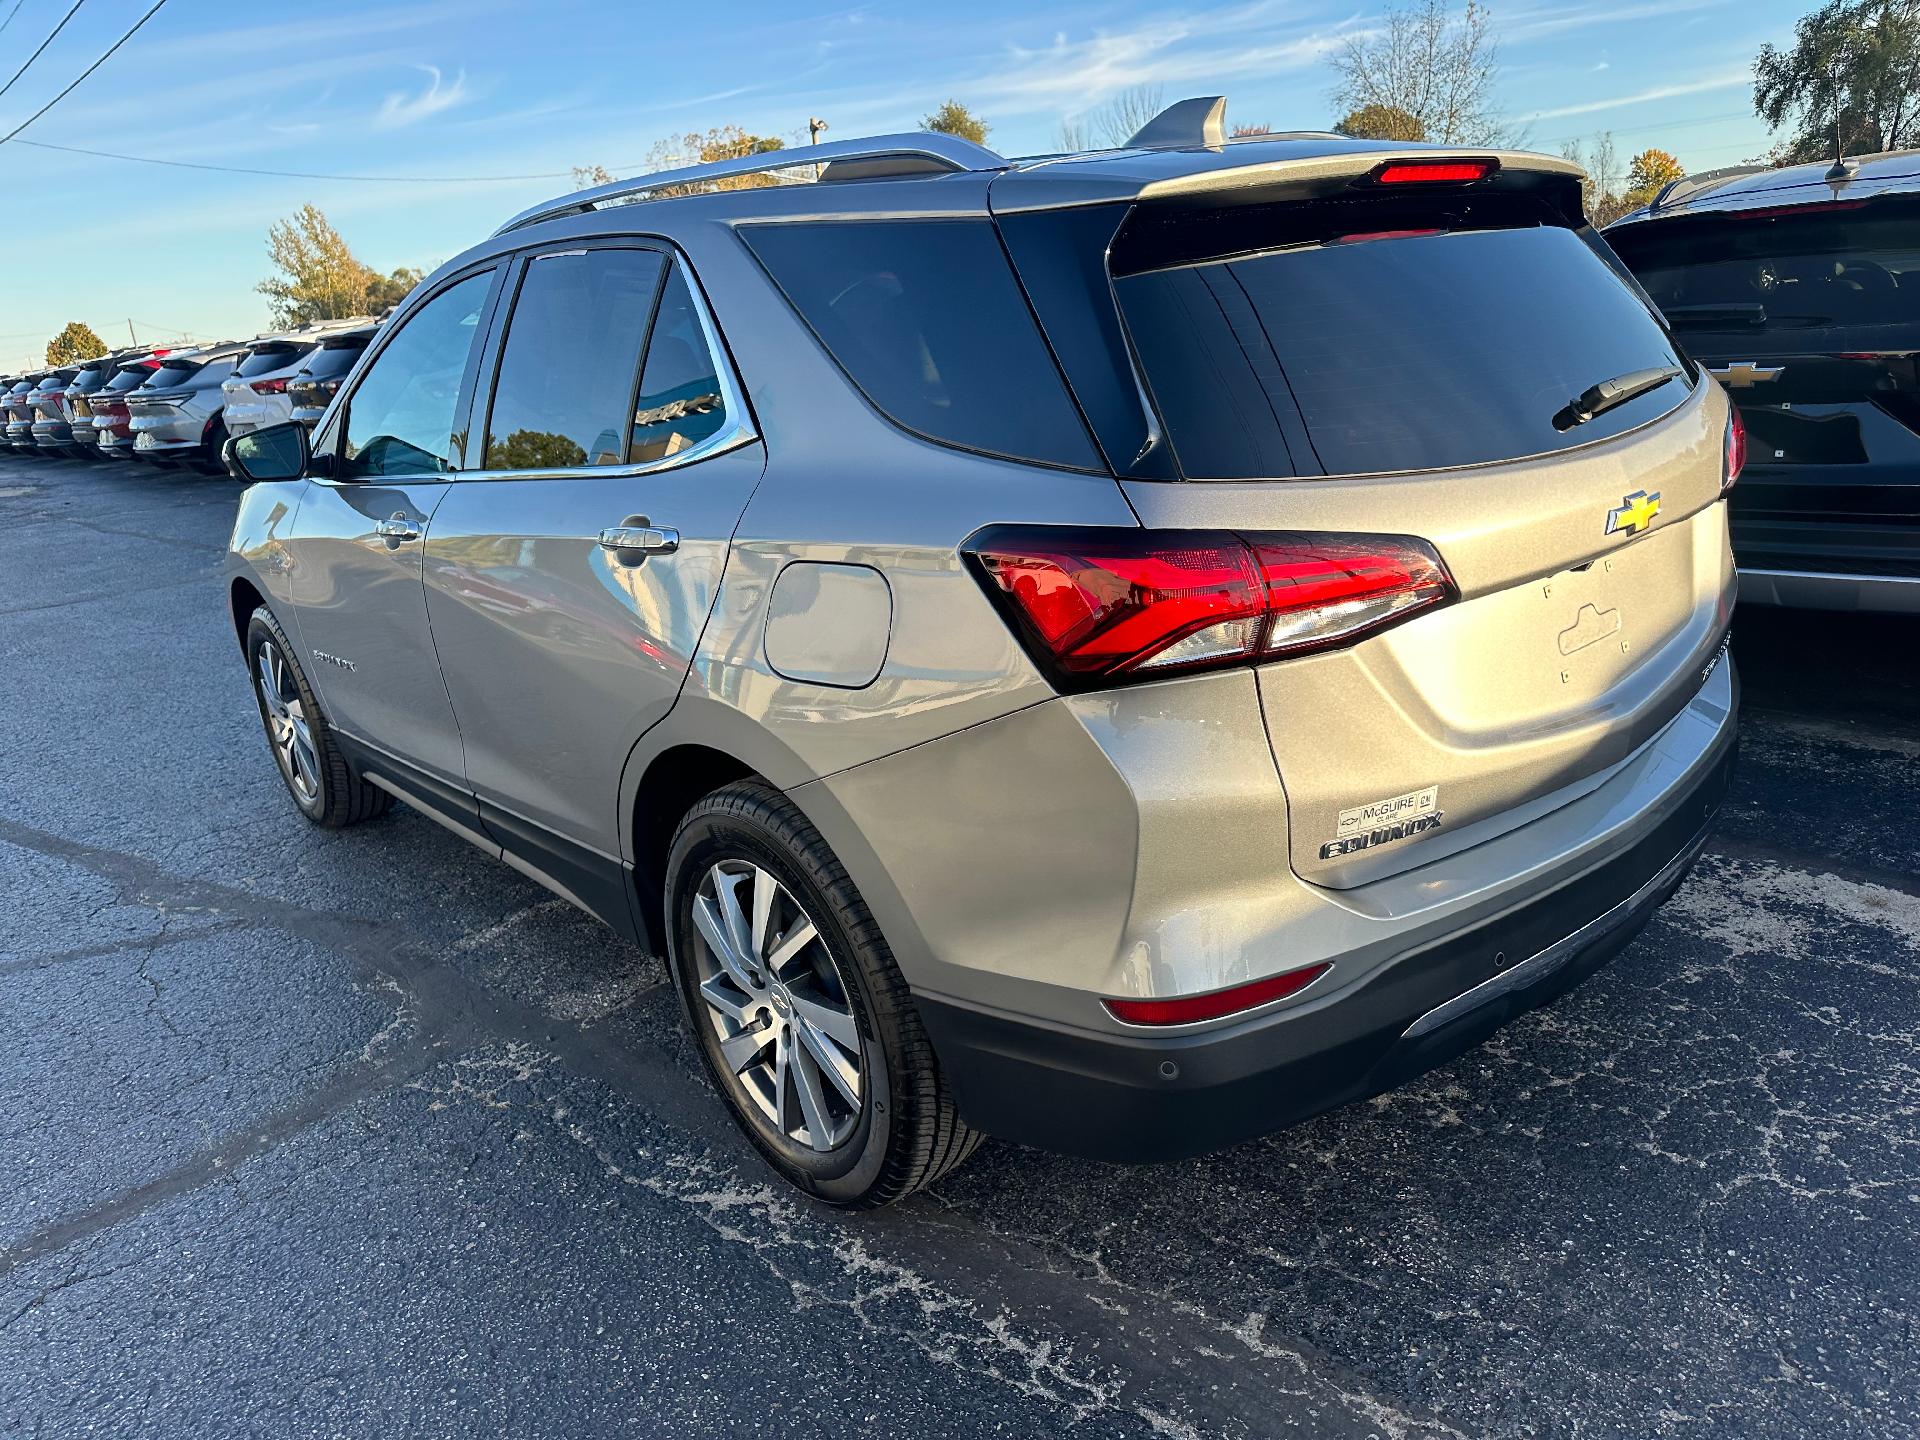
1604	192
1115	123
1073	136
1438	67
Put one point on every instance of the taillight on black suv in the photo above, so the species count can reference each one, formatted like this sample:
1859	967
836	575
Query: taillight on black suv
1105	605
1736	449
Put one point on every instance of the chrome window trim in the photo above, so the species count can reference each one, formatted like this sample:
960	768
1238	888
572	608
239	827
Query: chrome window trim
739	430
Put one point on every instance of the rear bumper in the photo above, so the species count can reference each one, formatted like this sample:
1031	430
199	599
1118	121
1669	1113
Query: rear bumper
1145	1096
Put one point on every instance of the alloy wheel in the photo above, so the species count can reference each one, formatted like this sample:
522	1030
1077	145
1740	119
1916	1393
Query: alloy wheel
779	1007
287	724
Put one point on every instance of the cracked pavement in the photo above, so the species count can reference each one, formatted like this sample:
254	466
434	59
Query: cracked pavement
360	1133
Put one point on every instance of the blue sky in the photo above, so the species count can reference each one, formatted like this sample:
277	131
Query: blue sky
493	88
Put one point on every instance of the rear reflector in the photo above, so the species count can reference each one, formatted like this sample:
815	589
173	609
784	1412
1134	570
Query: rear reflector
1187	1009
1433	172
1102	606
1736	449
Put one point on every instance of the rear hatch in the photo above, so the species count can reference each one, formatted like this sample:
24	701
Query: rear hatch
167	388
1369	359
1810	316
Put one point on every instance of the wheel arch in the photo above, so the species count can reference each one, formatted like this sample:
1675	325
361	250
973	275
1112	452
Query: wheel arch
243	598
672	783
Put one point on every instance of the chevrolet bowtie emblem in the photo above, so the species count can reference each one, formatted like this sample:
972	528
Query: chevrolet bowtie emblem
1634	513
1744	374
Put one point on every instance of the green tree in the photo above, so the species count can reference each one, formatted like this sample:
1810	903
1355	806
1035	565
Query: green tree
319	277
1381	122
953	118
1650	172
391	289
76	342
1850	81
534	450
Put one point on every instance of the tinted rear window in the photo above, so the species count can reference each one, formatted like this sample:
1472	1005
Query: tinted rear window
127	379
1817	269
926	318
171	374
1406	352
263	362
331	360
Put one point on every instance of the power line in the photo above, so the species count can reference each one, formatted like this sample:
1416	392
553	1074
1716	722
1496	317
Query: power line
294	174
84	73
43	44
11	13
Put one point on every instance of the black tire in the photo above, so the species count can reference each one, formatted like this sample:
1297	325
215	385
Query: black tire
908	1133
338	796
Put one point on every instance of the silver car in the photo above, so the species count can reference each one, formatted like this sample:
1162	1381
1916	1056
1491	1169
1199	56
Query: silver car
1117	651
177	416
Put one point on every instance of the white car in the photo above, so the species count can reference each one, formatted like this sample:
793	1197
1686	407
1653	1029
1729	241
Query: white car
256	394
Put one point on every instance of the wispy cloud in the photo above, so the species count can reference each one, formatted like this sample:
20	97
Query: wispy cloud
400	109
1725	81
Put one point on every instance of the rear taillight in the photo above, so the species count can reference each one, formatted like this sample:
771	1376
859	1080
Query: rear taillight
1736	449
1103	606
1189	1009
1433	172
269	387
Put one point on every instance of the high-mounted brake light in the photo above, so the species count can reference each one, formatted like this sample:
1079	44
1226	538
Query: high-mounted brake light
1106	605
1433	172
1736	449
1188	1009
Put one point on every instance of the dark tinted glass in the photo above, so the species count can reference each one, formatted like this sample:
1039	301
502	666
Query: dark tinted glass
1818	269
927	319
174	374
130	377
566	371
331	360
1391	354
400	416
262	362
87	379
679	404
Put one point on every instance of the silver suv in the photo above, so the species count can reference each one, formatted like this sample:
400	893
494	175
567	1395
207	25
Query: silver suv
1117	651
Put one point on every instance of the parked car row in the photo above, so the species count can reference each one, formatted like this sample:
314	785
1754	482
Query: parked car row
178	406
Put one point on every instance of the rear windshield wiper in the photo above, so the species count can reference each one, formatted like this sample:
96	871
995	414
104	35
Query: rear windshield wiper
1608	394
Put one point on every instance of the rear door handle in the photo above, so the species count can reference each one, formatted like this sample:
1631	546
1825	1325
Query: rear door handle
645	539
398	528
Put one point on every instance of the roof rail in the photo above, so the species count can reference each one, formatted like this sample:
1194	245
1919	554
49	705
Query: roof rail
1688	186
919	153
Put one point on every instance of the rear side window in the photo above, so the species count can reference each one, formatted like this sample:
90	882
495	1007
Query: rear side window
926	318
1391	351
679	403
571	354
1825	267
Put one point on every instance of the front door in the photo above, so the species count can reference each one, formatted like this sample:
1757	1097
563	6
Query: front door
360	533
570	574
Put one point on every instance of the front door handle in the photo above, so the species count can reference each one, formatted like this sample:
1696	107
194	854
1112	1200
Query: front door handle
643	539
398	528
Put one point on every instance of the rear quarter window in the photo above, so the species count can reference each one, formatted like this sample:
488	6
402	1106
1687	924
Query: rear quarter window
926	318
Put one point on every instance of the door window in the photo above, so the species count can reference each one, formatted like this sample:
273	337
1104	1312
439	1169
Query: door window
572	349
400	417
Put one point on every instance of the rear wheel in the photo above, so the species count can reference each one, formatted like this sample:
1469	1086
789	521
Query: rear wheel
802	1017
311	764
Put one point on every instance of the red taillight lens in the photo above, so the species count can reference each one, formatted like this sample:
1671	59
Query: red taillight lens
1098	606
1187	1009
1433	172
269	387
1736	448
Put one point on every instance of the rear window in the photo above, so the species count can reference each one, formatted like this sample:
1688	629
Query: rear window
335	359
1391	351
263	362
1848	265
128	378
174	373
87	379
926	318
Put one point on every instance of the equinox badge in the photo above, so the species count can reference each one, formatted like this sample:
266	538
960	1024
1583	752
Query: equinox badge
1634	513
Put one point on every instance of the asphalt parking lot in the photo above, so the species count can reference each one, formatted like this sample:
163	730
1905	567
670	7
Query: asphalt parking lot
360	1133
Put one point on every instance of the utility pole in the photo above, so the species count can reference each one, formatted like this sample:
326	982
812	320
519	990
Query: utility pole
133	338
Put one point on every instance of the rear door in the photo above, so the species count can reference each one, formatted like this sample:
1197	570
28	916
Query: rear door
571	568
361	529
1810	316
1399	366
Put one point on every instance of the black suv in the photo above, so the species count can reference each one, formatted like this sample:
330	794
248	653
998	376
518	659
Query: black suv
1799	288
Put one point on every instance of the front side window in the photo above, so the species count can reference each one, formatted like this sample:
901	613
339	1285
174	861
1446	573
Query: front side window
400	417
572	349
